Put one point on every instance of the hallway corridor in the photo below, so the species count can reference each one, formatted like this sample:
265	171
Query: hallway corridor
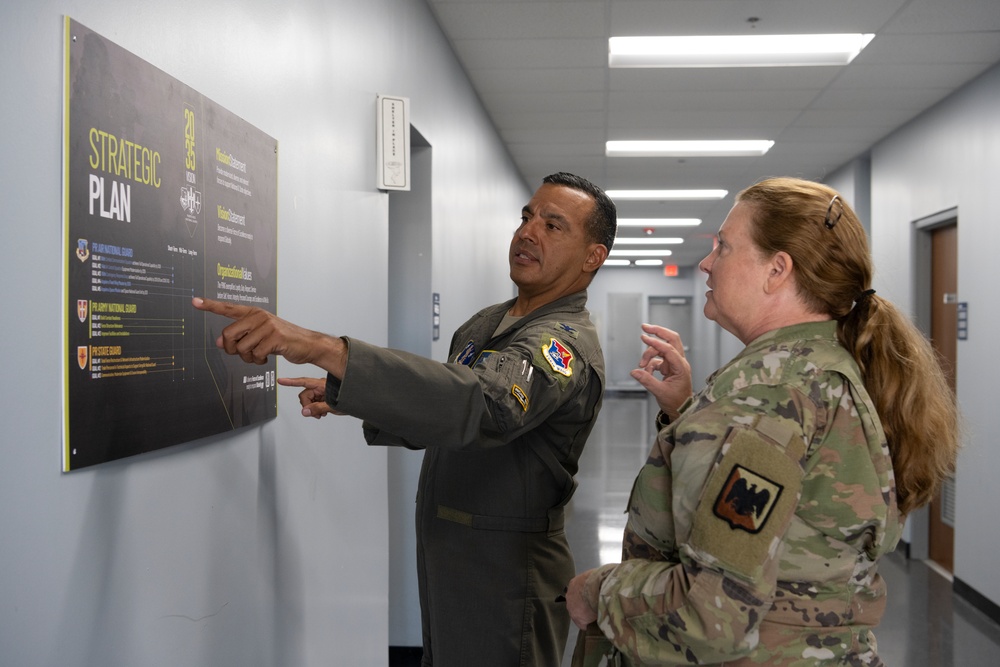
925	624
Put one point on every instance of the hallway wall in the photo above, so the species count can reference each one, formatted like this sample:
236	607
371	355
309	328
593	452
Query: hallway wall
948	157
267	546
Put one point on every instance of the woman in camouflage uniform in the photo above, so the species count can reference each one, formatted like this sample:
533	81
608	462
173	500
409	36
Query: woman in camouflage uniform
757	523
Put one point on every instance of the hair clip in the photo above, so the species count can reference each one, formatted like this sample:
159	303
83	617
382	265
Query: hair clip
829	209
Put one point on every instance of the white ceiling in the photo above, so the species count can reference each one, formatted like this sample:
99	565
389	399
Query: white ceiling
540	68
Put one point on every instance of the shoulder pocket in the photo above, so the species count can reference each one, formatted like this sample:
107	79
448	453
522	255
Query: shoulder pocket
749	498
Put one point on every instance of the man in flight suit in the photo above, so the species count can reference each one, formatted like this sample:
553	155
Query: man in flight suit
503	424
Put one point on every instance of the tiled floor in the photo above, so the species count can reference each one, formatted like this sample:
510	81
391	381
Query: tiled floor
925	624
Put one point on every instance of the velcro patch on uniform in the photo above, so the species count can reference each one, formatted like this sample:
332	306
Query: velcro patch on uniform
465	358
483	358
521	397
747	503
746	499
558	356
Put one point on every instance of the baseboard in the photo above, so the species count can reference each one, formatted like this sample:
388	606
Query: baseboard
405	656
977	600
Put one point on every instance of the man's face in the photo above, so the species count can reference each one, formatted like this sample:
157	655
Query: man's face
550	249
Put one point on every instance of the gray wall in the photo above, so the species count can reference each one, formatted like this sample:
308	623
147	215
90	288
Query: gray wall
268	546
950	157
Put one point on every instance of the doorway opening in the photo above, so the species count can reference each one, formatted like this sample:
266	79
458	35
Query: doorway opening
410	324
936	275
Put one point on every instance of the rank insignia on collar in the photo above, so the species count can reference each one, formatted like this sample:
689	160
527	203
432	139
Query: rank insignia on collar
465	358
565	328
558	356
746	500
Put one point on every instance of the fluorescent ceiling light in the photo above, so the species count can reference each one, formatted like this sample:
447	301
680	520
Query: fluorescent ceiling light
649	262
721	148
676	195
647	240
659	222
617	262
736	50
641	253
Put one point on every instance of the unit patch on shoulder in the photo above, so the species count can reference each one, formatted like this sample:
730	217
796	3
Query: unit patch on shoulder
746	499
521	397
465	358
558	356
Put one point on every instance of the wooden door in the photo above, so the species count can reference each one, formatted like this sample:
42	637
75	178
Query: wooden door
944	335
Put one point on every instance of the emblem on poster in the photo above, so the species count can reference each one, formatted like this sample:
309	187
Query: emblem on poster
82	356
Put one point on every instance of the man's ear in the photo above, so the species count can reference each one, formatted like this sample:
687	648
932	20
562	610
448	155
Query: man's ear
779	272
598	253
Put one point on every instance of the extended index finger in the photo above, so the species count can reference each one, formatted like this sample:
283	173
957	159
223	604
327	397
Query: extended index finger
306	382
231	310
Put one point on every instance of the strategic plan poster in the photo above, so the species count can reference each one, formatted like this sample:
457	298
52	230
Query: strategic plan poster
167	196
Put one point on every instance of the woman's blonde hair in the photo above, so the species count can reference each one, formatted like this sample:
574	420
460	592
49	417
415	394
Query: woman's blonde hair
832	268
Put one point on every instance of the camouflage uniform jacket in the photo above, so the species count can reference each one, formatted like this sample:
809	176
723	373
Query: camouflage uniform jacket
503	425
756	523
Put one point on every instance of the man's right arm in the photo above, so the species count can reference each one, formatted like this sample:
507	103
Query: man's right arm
255	334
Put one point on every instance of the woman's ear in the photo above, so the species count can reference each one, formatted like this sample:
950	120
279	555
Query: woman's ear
779	272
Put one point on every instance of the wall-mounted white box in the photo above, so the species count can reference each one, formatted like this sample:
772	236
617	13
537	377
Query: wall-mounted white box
393	142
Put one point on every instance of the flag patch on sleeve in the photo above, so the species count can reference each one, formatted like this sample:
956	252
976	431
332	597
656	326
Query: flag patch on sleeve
467	354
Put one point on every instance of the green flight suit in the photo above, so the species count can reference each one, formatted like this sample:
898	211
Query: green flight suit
503	425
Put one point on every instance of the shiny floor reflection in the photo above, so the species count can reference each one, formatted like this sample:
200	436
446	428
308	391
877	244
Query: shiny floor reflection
925	623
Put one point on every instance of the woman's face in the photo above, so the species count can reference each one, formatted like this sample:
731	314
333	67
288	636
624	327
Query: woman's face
737	274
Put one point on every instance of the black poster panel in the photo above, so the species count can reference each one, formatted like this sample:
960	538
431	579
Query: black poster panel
167	196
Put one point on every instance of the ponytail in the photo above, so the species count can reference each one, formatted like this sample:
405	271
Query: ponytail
917	408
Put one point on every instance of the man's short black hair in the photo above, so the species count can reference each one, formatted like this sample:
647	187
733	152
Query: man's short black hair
603	223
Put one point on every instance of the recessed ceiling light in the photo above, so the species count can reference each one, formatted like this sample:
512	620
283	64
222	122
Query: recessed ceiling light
617	262
712	148
736	50
640	253
659	222
647	240
676	195
649	262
